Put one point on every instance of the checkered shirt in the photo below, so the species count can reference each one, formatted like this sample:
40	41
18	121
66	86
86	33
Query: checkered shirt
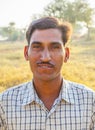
74	109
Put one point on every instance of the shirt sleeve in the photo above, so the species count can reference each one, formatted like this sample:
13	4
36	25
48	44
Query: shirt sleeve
93	122
3	125
94	112
93	117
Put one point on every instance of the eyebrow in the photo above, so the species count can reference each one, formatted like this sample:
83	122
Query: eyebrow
56	43
38	42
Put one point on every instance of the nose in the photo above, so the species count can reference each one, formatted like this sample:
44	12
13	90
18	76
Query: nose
45	55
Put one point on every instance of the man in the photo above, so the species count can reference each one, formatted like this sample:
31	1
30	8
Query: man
48	102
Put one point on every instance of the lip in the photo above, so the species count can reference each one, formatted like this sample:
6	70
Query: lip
45	66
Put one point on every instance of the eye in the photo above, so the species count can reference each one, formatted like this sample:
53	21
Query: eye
56	46
36	46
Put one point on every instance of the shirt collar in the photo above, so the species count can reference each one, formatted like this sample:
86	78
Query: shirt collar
30	93
67	93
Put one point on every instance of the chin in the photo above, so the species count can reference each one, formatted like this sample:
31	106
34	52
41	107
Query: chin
46	77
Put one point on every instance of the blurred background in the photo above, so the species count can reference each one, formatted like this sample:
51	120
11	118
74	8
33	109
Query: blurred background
15	17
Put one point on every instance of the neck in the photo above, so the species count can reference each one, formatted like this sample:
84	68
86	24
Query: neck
48	91
48	88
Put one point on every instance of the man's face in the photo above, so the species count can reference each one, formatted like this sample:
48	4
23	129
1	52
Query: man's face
46	54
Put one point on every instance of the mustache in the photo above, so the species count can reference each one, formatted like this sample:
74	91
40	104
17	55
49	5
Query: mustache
48	63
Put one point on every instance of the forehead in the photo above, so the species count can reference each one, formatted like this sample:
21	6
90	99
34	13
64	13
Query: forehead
48	35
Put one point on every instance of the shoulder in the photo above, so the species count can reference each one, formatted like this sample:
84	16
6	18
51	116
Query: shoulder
81	91
79	87
15	91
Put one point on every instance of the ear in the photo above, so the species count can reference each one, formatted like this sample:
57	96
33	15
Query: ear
67	54
26	52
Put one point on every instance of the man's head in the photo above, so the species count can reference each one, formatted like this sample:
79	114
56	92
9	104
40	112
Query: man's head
46	51
50	23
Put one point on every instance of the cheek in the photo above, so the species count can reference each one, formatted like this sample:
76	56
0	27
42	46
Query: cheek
33	58
60	55
32	54
59	59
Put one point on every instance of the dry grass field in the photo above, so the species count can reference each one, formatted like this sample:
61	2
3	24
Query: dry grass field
80	67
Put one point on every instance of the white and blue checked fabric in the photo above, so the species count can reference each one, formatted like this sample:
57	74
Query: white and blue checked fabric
21	109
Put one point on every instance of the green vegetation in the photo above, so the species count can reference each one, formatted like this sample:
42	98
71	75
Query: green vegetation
80	68
78	12
72	11
11	33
